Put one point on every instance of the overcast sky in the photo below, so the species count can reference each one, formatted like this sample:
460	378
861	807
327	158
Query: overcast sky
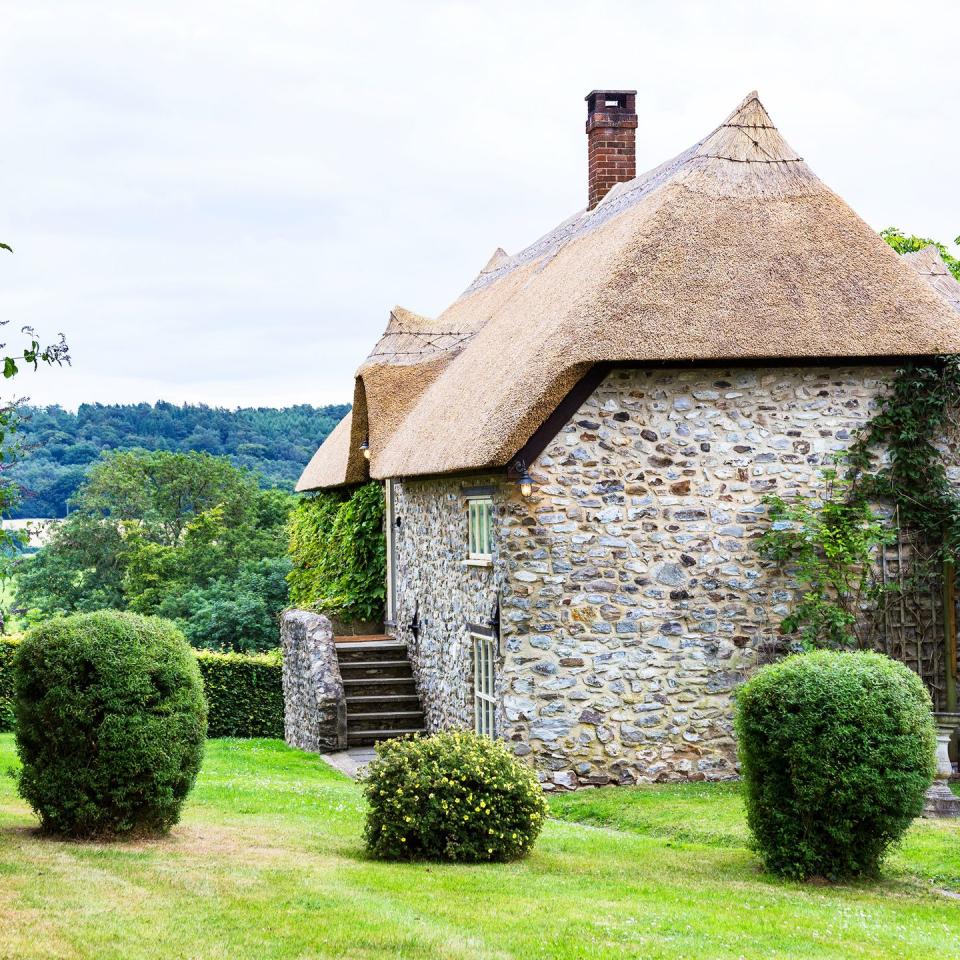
221	201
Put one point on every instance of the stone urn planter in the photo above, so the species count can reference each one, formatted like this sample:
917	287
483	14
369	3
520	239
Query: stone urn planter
941	801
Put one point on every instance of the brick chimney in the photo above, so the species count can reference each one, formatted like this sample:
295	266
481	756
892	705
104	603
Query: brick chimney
611	141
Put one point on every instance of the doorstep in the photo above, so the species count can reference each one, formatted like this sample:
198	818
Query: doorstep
351	762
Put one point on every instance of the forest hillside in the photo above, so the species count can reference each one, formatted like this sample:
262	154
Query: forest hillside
275	443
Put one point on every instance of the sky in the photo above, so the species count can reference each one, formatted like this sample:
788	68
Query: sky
220	202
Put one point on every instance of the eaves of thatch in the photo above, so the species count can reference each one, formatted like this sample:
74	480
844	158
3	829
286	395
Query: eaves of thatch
408	357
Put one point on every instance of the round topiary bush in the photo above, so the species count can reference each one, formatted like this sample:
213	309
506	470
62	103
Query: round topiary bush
837	750
452	796
110	723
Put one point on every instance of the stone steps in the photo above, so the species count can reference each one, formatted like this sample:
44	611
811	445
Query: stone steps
378	686
356	652
390	720
382	703
382	700
368	737
399	669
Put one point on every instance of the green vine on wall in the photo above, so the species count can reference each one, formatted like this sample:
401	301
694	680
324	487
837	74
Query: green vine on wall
913	418
338	551
831	546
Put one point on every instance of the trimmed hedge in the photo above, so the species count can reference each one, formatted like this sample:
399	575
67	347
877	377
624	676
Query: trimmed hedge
837	749
111	723
8	647
244	691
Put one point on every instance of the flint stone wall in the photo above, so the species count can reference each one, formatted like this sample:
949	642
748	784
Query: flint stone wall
635	600
314	703
632	597
439	594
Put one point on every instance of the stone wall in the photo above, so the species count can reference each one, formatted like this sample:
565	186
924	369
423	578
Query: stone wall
314	703
634	599
438	589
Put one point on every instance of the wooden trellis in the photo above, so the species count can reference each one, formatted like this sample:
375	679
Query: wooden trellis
909	621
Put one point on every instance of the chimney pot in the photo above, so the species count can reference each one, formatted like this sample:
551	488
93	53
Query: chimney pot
611	141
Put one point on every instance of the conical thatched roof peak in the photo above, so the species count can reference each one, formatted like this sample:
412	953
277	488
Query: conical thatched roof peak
748	135
496	258
411	338
406	321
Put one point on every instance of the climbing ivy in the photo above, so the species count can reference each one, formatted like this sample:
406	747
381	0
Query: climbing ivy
338	551
897	457
829	545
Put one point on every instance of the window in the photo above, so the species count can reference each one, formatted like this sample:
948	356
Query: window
390	527
484	699
480	528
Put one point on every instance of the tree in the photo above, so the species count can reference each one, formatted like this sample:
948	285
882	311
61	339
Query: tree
165	492
81	570
184	535
28	353
238	614
275	444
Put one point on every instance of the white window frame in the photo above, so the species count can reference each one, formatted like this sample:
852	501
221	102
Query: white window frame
391	538
480	533
484	684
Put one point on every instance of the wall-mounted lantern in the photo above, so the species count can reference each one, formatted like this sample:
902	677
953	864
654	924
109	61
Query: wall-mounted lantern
523	478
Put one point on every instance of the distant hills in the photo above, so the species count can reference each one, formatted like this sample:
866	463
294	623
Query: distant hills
276	443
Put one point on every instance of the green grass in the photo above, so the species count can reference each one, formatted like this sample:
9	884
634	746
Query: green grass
268	864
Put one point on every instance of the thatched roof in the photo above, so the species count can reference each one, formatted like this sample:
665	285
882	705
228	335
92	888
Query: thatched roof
733	250
929	264
330	465
407	358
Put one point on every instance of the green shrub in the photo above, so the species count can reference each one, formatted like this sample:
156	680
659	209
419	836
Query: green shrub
8	646
244	693
110	722
837	750
452	796
338	550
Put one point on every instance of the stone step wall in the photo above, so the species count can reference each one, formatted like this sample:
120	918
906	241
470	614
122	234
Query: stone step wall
315	707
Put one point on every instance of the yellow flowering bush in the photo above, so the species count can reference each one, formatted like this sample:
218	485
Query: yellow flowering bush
452	796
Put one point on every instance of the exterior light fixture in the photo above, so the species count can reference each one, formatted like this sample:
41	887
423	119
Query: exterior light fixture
365	449
521	474
525	483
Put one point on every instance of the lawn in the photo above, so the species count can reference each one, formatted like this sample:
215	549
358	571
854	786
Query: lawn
267	863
